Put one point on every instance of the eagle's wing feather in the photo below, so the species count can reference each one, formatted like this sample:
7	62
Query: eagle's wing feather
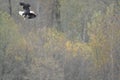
21	13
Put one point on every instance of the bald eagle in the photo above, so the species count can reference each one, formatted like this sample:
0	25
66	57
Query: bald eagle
26	13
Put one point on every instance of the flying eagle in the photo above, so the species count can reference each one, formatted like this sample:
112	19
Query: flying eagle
26	13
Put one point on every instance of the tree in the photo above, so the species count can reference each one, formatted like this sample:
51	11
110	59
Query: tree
102	31
10	7
76	14
14	57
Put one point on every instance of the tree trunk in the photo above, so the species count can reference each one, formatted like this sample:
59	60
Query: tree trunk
111	57
56	14
10	7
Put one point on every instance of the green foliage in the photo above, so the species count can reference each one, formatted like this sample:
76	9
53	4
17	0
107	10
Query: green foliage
13	49
8	32
43	53
71	12
50	48
102	31
76	14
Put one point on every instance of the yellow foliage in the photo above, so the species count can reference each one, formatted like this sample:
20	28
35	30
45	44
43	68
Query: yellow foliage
24	42
68	45
18	58
100	29
78	48
57	41
54	40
